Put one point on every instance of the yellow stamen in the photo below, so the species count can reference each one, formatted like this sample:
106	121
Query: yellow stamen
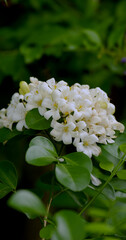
65	121
65	129
80	107
66	98
66	113
55	105
39	102
76	129
85	143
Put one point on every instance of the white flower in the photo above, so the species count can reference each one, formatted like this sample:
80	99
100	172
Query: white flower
88	144
79	114
52	109
4	121
62	132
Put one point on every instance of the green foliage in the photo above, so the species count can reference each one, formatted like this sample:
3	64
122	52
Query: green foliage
69	226
47	231
99	228
35	121
8	178
89	37
122	174
6	134
123	148
73	177
28	203
41	152
80	159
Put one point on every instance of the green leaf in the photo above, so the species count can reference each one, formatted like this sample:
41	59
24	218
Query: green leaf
91	39
109	154
99	228
47	231
121	196
109	192
28	203
4	190
118	184
73	177
70	226
31	53
41	152
106	165
8	175
123	148
122	174
6	134
35	121
80	198
80	159
97	212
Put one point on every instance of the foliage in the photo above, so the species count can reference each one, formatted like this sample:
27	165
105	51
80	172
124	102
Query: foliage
79	41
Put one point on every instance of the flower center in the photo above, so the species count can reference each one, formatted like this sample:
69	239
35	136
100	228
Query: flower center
85	143
66	129
55	105
76	129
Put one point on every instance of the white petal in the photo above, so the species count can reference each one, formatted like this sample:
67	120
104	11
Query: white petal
95	181
42	110
67	138
47	103
48	114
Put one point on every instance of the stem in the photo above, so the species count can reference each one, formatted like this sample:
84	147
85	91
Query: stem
46	217
49	205
104	185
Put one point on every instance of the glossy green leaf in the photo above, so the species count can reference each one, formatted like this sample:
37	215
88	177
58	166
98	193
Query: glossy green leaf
8	174
70	226
106	165
27	202
80	159
122	174
45	143
4	190
47	231
41	152
73	177
35	121
123	148
109	154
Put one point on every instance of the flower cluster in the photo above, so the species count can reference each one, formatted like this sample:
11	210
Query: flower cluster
80	115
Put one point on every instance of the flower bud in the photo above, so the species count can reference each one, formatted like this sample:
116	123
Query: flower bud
24	88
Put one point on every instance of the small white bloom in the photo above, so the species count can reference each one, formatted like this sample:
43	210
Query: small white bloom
95	181
62	131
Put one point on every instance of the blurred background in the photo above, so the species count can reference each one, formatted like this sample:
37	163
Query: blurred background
78	41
